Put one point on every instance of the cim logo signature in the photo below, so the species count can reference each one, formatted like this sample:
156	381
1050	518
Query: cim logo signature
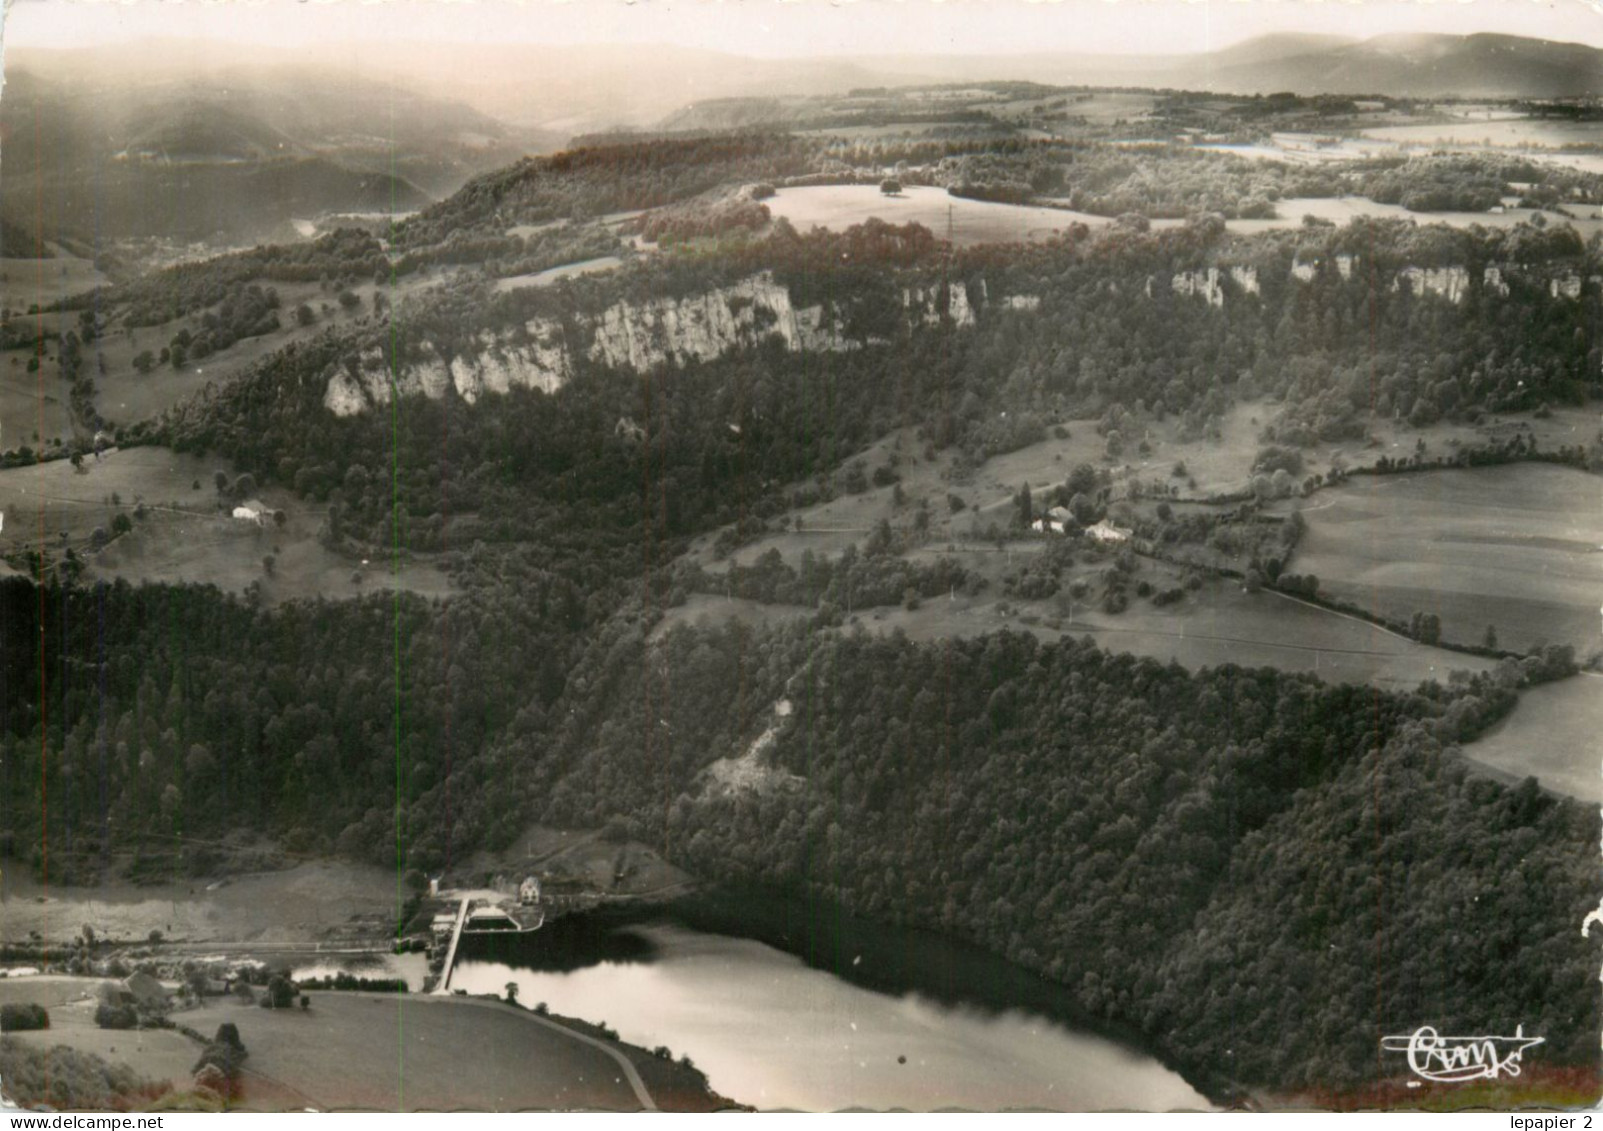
1454	1060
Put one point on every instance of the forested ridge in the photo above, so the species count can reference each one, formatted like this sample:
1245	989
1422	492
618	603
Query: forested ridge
724	438
1258	873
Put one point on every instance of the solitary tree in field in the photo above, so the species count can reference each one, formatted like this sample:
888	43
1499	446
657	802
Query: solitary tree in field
512	993
1491	637
280	992
890	186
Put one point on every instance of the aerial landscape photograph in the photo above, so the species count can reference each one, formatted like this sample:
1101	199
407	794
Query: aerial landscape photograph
778	555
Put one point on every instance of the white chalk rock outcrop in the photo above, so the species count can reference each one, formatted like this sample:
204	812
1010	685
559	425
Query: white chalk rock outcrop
1566	286
638	336
1451	283
1203	283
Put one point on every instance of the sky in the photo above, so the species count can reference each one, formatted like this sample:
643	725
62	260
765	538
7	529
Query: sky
793	28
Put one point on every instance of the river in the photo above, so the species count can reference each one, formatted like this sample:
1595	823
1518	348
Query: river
775	1031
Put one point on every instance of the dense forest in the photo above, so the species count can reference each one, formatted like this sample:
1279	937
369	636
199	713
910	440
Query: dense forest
1195	854
1176	848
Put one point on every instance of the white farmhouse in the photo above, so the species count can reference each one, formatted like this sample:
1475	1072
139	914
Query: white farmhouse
1105	531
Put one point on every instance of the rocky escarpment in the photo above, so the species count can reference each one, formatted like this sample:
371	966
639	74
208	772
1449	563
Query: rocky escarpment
1452	283
640	335
541	354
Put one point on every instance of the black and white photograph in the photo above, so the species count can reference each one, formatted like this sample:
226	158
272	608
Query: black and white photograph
784	555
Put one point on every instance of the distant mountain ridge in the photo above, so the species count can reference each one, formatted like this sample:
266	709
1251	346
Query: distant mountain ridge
1428	66
1425	65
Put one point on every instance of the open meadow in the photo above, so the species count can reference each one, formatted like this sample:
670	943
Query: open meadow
29	282
310	901
159	1054
414	1053
1215	625
1552	736
354	1052
182	531
1343	210
1500	132
125	396
838	207
1519	548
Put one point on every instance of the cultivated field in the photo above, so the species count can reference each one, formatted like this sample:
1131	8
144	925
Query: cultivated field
1552	735
1518	547
838	207
413	1053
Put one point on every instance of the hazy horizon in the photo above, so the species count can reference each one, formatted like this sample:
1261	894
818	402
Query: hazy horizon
798	29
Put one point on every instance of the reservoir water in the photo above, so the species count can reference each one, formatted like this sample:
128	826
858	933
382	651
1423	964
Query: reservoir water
775	1031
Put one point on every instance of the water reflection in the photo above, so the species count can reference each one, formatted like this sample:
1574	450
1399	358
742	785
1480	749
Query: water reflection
772	1031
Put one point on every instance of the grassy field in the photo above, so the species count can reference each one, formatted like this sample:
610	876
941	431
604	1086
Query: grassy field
557	274
160	1054
1553	736
33	406
1216	625
838	207
1516	547
1219	466
306	903
1345	209
1501	133
988	491
1353	546
1103	108
184	536
124	395
27	282
413	1053
364	1052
